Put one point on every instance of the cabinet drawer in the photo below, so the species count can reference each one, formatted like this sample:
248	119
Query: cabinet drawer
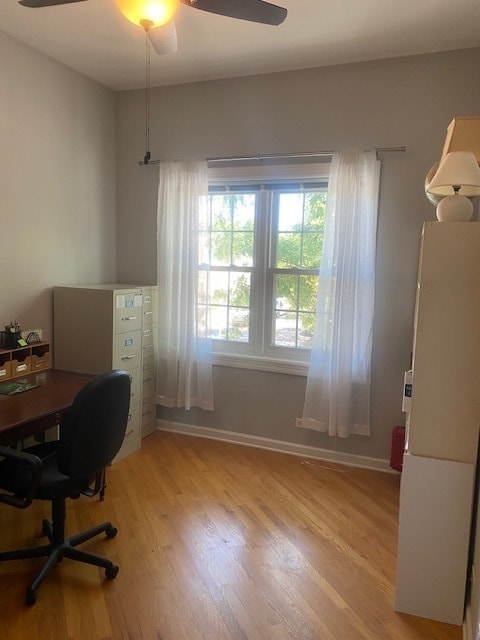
131	441
136	386
127	351
21	362
5	366
149	306
147	309
147	337
128	311
148	390
133	425
148	413
40	357
148	370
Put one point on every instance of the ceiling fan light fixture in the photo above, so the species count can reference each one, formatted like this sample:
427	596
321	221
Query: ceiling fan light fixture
154	12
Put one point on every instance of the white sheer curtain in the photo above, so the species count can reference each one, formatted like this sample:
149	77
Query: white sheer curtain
338	387
184	362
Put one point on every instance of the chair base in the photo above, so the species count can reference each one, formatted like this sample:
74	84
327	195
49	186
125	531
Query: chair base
60	547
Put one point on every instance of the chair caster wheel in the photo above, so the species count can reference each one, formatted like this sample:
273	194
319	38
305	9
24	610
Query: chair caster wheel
111	531
30	597
111	571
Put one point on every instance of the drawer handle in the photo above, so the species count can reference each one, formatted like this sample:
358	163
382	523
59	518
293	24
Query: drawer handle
129	433
3	372
21	367
147	413
148	313
127	357
129	318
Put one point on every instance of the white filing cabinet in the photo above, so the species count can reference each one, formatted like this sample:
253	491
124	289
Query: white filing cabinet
98	328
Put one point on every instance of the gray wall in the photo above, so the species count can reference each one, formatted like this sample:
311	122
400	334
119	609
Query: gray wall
57	176
404	101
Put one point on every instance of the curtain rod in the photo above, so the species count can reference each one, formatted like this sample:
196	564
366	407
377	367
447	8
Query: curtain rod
282	156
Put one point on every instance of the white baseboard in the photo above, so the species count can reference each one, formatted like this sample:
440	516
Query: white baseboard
270	444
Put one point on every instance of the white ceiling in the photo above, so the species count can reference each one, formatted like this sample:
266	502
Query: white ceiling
95	39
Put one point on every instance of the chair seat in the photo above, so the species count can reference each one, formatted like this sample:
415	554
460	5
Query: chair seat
16	476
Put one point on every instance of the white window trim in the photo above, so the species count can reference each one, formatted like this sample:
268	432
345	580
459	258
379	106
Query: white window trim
261	363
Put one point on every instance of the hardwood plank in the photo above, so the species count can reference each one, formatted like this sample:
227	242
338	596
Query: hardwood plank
221	542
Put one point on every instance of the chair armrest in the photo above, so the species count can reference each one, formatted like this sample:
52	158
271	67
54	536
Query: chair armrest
36	465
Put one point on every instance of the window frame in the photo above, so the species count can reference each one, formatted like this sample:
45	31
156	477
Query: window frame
269	180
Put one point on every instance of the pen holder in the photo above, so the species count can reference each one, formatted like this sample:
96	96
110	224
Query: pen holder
9	340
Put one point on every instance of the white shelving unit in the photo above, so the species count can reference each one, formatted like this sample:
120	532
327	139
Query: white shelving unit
440	463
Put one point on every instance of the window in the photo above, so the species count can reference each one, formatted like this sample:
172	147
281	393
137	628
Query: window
259	251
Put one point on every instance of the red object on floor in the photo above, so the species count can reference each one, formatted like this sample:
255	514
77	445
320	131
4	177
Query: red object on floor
398	447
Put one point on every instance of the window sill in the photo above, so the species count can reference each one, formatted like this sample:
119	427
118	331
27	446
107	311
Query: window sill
256	363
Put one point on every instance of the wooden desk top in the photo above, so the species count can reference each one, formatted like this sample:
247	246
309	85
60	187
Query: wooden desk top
35	410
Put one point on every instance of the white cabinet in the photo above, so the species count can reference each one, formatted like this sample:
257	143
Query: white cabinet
98	328
435	512
439	467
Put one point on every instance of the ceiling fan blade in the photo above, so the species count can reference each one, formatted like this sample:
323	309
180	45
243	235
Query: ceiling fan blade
164	39
36	4
252	10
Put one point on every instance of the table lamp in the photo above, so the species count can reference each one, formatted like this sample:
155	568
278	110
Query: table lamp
458	179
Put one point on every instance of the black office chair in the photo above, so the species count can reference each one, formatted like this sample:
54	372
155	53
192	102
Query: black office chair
90	437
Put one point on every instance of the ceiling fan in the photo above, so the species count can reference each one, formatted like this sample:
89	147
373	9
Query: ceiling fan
156	17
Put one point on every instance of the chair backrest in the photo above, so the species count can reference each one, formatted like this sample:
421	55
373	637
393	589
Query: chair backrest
94	428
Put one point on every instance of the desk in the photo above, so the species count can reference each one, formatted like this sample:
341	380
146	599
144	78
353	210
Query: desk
36	410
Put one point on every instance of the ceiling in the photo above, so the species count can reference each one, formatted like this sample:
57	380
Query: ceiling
94	38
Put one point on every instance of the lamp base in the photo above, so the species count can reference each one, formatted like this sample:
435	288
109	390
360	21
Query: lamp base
455	208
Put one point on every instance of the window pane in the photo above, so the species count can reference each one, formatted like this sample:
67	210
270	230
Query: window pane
221	213
286	292
289	246
221	248
311	250
243	211
315	206
242	249
290	211
294	313
204	248
202	288
306	325
240	289
218	287
217	322
307	293
238	324
285	330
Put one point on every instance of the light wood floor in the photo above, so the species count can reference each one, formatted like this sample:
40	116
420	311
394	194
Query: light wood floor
221	542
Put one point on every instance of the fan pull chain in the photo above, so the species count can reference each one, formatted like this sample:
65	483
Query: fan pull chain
147	155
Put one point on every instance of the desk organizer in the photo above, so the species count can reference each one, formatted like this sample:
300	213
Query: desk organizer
23	360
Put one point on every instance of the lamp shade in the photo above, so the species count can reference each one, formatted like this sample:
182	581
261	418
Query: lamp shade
155	13
458	173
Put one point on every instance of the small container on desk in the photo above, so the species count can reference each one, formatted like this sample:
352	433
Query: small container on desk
9	339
